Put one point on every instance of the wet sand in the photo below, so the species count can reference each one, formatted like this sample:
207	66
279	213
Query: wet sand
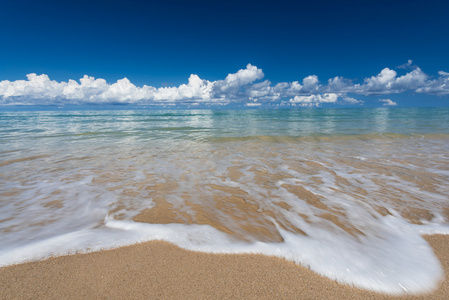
156	269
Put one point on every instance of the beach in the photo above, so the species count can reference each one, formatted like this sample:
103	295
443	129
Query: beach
279	198
159	270
224	150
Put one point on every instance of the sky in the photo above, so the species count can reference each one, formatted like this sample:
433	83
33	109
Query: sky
302	53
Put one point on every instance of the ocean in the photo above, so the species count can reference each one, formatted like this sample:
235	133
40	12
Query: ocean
346	192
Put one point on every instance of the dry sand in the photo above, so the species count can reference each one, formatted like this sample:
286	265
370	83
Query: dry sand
160	270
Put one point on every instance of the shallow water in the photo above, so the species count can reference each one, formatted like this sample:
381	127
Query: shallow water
346	192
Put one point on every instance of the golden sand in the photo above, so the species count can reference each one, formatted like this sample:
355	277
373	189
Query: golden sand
160	270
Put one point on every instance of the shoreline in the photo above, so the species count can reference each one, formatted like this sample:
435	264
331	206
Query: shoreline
157	269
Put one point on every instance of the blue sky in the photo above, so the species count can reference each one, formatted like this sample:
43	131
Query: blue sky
160	44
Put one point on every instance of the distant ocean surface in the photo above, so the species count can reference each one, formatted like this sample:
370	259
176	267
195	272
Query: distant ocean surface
348	192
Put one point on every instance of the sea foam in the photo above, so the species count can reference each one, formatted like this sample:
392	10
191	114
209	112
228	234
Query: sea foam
351	206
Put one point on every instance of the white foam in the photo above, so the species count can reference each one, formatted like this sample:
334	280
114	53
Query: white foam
399	261
388	256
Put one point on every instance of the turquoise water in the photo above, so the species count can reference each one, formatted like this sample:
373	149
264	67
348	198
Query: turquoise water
204	124
346	192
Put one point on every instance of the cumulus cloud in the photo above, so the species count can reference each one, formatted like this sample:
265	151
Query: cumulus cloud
260	91
245	86
350	100
387	102
382	83
197	90
310	85
232	85
439	86
387	82
40	89
318	99
340	84
38	86
314	100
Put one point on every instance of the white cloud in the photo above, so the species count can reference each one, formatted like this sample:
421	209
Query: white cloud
314	100
260	91
350	100
233	83
318	99
310	85
243	86
41	90
387	82
388	102
380	84
252	104
411	81
197	89
407	65
339	84
439	86
88	88
39	86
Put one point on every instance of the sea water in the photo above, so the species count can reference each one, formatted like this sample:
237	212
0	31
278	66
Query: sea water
346	192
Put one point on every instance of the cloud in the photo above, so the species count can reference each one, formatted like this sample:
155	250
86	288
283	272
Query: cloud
439	86
314	100
260	91
408	65
388	102
339	84
243	86
380	83
39	86
310	85
197	90
41	90
387	82
232	85
318	99
88	88
350	100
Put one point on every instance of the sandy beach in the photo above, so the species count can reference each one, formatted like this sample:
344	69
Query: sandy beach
344	191
160	270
